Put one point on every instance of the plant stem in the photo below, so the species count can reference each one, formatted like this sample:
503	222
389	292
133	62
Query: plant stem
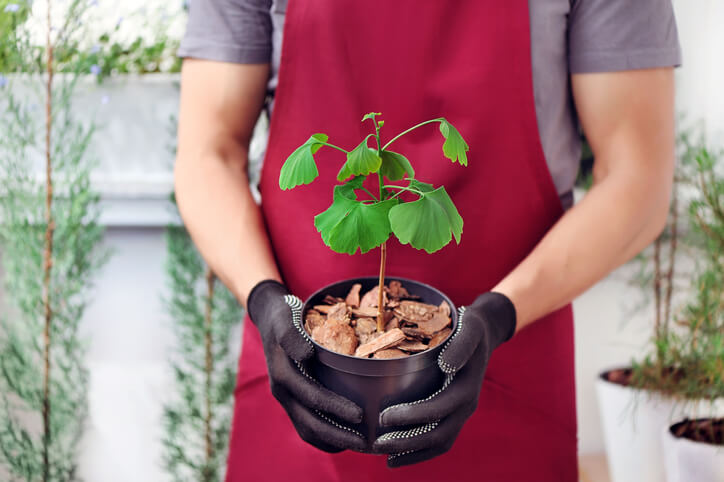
381	289
377	137
333	146
402	189
209	368
47	256
672	259
383	248
657	295
439	119
371	195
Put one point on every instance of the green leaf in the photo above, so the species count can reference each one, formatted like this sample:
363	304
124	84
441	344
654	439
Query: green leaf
343	198
366	226
371	115
300	168
351	185
420	186
454	147
428	223
360	161
349	224
395	166
704	160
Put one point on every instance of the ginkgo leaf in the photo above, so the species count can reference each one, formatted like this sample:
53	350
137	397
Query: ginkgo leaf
360	161
428	223
420	186
342	200
455	148
300	168
348	224
366	226
395	166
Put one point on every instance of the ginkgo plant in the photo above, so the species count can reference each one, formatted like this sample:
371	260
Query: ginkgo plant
351	223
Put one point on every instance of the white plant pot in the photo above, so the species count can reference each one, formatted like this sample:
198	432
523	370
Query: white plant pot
632	422
689	461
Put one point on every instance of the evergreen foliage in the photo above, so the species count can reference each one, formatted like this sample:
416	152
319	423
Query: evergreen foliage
687	361
699	350
205	314
50	239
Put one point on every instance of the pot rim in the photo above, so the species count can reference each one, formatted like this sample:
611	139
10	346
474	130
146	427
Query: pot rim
602	380
602	374
668	431
421	359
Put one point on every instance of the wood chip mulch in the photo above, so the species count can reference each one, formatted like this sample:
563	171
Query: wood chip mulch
349	325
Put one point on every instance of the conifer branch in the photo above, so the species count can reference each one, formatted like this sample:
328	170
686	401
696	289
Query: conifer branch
209	367
204	312
657	285
48	252
673	242
50	236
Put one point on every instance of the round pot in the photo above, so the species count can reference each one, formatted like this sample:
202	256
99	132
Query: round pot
687	460
632	420
375	384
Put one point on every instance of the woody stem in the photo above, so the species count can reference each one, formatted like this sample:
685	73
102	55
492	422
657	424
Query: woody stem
208	371
381	290
47	260
383	247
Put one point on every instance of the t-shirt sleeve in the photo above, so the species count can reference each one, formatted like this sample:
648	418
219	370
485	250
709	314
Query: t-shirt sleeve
238	31
614	35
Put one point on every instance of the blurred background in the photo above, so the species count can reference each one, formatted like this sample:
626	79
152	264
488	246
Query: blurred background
132	315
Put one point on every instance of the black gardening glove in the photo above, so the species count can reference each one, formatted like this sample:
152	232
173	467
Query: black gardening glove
437	420
277	314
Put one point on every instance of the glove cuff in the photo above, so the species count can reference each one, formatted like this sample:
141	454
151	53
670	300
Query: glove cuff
500	316
260	296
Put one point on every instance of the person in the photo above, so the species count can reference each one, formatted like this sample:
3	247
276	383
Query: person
516	78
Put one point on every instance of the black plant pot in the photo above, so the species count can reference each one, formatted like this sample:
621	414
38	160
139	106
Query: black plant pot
375	384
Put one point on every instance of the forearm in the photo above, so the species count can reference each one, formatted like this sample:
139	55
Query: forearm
223	219
220	104
615	220
628	118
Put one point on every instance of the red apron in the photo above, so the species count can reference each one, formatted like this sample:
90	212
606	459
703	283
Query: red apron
468	61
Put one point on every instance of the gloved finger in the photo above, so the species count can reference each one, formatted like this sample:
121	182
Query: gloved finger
440	435
458	391
400	460
290	333
281	394
460	347
322	432
305	389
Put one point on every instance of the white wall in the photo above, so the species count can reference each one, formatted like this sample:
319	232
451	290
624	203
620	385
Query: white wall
131	337
131	334
700	82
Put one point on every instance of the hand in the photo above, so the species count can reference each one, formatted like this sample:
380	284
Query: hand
438	419
277	315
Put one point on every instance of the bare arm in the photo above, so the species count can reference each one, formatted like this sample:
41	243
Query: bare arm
220	103
628	118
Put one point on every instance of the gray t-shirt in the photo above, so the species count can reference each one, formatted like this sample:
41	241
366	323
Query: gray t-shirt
568	36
